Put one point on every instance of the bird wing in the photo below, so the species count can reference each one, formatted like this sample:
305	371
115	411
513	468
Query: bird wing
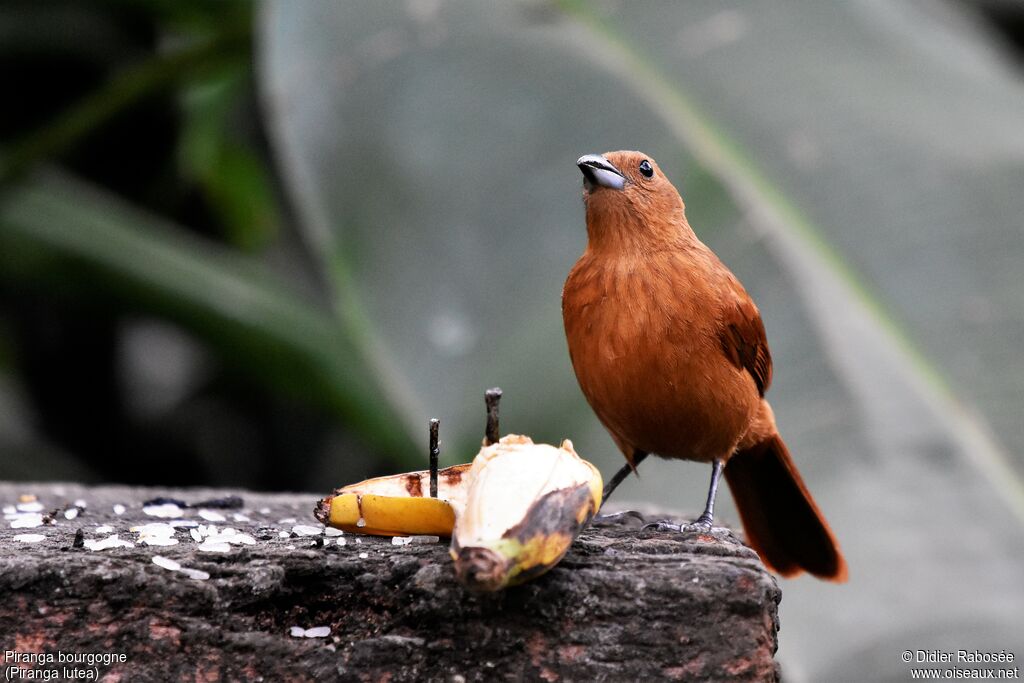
744	343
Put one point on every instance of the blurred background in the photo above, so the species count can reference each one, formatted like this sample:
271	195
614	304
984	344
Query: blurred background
261	244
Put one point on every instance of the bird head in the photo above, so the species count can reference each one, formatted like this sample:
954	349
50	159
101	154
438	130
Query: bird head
629	200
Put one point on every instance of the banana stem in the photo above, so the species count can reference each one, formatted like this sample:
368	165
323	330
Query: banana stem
491	398
435	450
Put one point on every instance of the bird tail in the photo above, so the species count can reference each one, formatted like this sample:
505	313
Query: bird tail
780	518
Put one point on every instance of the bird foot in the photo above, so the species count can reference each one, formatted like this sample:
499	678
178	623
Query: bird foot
701	525
620	517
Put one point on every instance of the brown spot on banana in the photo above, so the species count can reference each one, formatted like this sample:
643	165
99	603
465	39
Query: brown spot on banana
413	484
562	511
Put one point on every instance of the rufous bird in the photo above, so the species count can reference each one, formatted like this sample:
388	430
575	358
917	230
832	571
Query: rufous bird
670	352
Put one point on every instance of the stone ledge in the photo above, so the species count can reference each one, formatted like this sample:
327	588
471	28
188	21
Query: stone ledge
622	605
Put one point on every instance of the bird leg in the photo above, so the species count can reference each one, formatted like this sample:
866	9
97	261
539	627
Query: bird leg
702	523
706	517
624	471
613	483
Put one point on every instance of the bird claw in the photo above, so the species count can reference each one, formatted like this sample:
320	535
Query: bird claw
700	525
662	526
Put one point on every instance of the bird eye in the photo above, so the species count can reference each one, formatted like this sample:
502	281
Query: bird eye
646	169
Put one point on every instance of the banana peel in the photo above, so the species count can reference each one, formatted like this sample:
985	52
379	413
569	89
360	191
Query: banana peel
525	505
512	513
396	505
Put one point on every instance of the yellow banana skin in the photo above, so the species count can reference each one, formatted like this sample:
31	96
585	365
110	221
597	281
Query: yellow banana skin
391	516
396	505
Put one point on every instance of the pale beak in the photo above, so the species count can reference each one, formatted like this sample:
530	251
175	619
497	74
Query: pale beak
599	172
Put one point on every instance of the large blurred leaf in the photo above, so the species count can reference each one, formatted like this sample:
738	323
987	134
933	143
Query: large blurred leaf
433	176
865	162
77	236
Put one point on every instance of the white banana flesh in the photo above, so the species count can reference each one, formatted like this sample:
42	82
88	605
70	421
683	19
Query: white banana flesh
525	505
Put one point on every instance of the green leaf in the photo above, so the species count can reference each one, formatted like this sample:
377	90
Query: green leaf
75	237
233	178
124	89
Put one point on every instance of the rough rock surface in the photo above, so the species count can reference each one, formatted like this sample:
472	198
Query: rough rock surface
623	604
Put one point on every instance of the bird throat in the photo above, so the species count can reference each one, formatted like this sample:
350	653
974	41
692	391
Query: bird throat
615	224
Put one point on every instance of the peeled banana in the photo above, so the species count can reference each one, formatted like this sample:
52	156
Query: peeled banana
525	505
512	513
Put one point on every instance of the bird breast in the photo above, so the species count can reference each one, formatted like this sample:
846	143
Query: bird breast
643	340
